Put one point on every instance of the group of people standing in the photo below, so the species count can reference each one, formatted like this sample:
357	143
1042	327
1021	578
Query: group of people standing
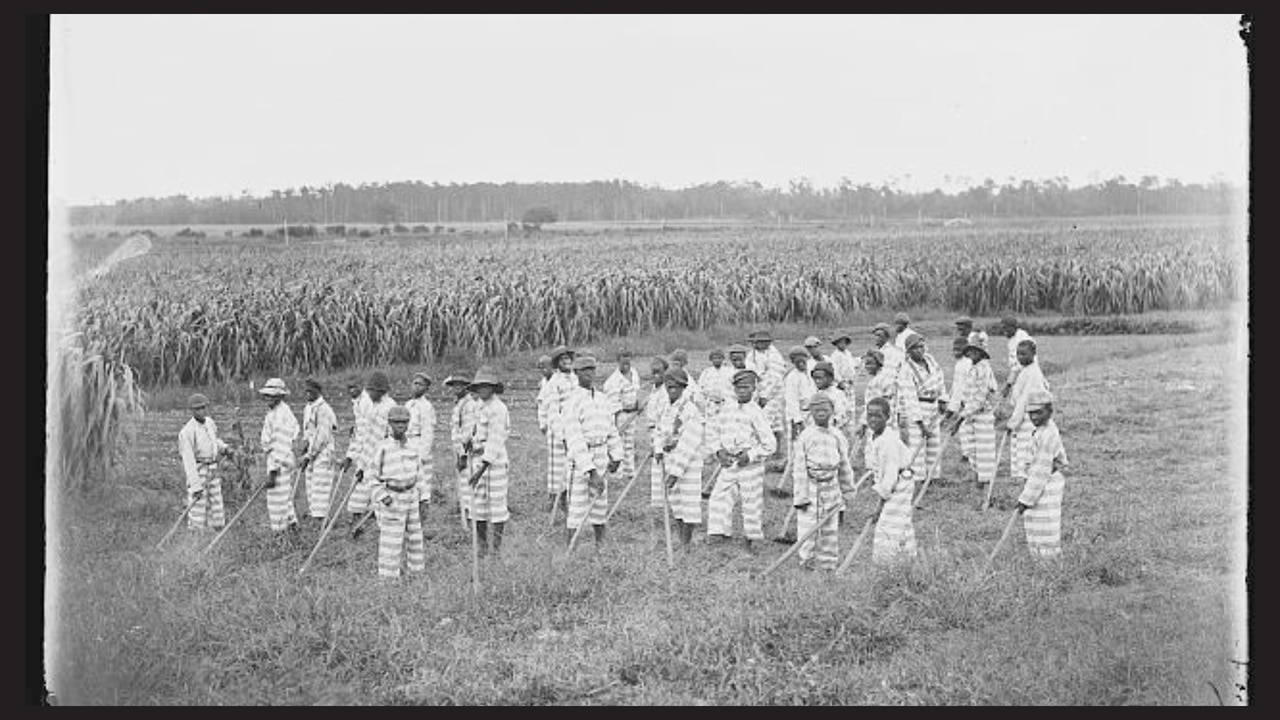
712	438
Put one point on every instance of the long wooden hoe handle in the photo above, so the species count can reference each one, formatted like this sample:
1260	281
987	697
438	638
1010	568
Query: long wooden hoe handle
1004	536
857	544
177	523
331	519
986	502
794	548
928	475
618	503
218	538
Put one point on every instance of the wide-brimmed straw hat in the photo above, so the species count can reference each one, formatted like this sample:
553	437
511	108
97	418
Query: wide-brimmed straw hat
274	387
561	350
486	376
839	335
425	377
457	379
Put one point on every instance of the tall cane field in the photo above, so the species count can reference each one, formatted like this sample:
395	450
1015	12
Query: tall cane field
1139	332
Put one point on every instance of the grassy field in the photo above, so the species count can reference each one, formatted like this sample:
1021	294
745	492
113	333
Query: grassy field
1145	607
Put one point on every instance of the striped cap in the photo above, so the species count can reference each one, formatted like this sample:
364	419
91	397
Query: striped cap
744	375
797	350
676	376
1037	399
398	412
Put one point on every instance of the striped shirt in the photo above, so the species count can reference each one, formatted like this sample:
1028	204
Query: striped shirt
1029	378
541	401
717	384
319	423
623	391
845	366
655	405
1012	348
924	384
840	415
461	422
558	389
371	428
1046	446
396	463
900	340
886	456
959	377
279	428
683	421
770	366
422	424
797	389
588	423
490	430
198	444
743	427
979	391
823	455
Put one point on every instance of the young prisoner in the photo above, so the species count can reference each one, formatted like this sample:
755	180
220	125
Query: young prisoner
743	442
199	447
395	481
822	475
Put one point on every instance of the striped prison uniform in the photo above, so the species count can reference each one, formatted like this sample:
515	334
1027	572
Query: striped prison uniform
821	470
976	410
395	472
881	385
770	367
359	406
684	423
461	423
544	424
319	425
840	411
558	389
797	389
1029	378
846	368
1012	350
953	398
198	446
489	444
717	386
1043	492
593	443
279	428
654	406
422	433
893	361
740	427
895	537
623	392
918	391
371	429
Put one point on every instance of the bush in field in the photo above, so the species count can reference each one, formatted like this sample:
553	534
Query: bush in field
400	229
536	217
438	229
421	229
253	233
339	230
189	233
366	233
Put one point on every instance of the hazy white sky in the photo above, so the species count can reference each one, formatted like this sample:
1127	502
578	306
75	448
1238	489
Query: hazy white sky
213	105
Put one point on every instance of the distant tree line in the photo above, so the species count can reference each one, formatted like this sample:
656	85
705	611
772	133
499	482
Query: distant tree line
621	200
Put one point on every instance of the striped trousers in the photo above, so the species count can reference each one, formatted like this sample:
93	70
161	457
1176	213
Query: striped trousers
426	469
557	464
982	428
359	502
1020	452
895	537
967	439
581	506
399	530
926	458
208	511
319	477
738	484
280	512
489	501
464	489
1043	522
686	496
628	467
824	496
